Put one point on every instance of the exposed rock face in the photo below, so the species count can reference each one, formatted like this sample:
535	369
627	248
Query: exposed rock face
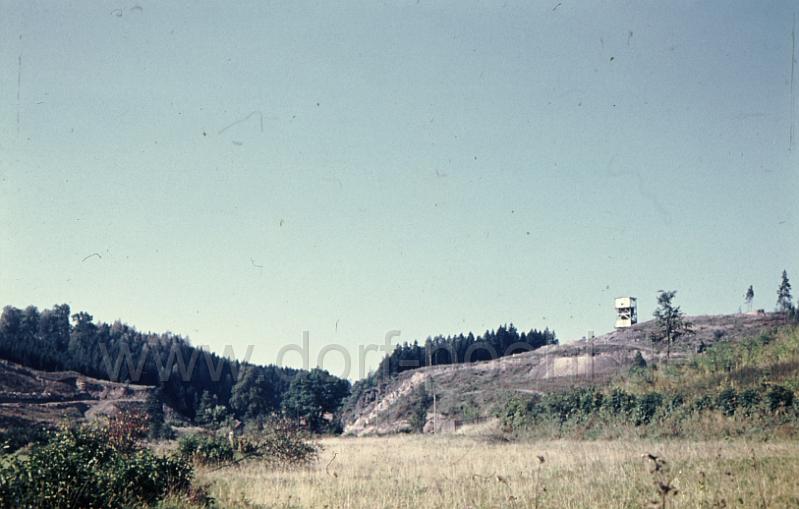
28	396
471	392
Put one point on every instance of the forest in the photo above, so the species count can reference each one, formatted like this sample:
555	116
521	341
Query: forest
198	384
505	340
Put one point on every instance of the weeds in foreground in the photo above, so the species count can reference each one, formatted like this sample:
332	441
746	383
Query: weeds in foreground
662	481
537	488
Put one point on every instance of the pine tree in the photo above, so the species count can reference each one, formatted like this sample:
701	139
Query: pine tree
784	298
155	414
670	321
750	295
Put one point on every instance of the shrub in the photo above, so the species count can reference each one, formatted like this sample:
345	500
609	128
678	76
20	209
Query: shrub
779	398
704	402
648	405
621	402
126	429
421	401
19	436
280	444
676	402
748	400
638	360
205	449
81	467
727	401
516	413
283	444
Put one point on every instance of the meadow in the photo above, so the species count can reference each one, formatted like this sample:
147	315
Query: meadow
426	471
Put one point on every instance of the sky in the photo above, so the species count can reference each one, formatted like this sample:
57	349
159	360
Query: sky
239	173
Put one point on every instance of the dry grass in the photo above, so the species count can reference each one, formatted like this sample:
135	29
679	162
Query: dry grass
422	471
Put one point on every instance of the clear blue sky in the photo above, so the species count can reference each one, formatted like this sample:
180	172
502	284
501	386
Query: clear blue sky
431	167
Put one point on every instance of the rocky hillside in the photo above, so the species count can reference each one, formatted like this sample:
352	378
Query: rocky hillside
470	393
28	396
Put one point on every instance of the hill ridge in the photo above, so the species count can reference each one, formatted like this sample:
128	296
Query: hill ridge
472	391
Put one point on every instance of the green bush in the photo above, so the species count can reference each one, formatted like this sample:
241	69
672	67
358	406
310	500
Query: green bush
621	402
80	467
676	401
702	403
749	400
282	444
205	449
19	436
727	401
779	398
516	413
648	405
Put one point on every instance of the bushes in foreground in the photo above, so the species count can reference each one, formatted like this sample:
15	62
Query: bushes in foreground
279	444
90	467
205	449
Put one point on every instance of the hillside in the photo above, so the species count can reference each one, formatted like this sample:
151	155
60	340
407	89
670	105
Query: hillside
28	396
470	393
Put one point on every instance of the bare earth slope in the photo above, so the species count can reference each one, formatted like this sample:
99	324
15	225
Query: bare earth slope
28	396
471	392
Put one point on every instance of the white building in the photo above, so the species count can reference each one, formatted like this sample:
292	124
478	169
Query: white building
627	312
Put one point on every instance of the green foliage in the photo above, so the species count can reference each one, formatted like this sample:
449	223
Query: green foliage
639	361
517	413
205	449
505	340
155	418
750	385
779	398
46	340
749	400
84	467
281	443
727	401
421	402
621	402
209	412
676	401
749	296
314	397
703	402
670	321
746	387
784	298
647	406
16	437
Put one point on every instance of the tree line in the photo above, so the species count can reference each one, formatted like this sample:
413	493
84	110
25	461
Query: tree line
198	384
438	350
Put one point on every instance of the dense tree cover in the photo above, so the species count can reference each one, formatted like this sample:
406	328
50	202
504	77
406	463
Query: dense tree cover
193	381
506	340
314	396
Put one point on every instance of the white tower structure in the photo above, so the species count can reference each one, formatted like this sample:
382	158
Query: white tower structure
627	312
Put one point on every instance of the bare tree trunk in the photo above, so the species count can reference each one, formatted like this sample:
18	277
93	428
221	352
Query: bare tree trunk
668	350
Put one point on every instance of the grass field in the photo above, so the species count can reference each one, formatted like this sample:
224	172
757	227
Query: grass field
423	471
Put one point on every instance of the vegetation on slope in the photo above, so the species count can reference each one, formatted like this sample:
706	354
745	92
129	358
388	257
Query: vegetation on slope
196	383
506	340
731	388
440	350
